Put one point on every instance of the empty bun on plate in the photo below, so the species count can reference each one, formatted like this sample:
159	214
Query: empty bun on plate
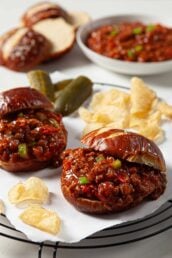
126	145
23	48
22	98
117	171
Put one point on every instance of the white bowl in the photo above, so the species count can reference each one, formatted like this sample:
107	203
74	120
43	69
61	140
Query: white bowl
125	67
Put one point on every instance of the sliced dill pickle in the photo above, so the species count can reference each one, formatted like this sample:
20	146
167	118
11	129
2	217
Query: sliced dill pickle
73	96
40	80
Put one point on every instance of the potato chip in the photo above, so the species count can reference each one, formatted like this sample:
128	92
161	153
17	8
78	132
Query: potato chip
113	97
33	190
107	114
85	114
165	109
101	117
151	131
91	127
120	124
140	111
142	97
2	207
41	218
152	117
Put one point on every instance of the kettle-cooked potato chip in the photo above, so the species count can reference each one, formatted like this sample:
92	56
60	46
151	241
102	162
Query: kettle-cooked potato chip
112	97
92	126
165	109
41	218
33	190
151	131
85	114
142	97
136	122
140	111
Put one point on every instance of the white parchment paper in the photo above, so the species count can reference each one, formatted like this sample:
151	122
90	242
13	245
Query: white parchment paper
76	225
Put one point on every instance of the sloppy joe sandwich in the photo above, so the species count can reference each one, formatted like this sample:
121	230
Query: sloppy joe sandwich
32	136
118	170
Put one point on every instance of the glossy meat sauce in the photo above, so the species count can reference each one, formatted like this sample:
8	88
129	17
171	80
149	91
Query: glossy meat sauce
32	134
132	42
117	183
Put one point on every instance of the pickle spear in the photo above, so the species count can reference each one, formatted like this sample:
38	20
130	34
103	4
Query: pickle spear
40	80
72	96
61	84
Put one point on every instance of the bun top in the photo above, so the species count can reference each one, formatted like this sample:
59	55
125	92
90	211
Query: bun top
126	145
23	48
43	10
22	98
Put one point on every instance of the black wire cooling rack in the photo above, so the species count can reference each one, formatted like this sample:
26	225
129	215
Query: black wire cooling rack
126	233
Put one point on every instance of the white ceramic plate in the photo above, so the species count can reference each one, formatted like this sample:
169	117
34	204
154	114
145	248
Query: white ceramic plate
126	67
76	225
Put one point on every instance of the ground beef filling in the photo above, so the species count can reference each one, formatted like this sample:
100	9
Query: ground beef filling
32	135
132	41
118	184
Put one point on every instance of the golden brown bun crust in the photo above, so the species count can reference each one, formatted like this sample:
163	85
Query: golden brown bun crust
52	11
126	145
22	98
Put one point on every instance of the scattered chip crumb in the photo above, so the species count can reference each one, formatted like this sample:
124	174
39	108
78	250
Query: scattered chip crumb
32	191
41	218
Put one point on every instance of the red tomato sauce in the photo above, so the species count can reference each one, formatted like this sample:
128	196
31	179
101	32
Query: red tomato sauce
135	42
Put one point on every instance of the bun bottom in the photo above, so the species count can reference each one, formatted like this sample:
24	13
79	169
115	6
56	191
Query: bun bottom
99	207
23	166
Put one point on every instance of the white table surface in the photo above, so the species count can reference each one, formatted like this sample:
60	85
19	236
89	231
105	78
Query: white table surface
75	64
